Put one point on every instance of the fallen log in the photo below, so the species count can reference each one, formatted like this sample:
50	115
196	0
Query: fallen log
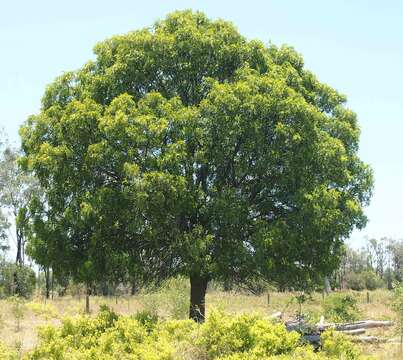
276	315
365	324
353	332
367	339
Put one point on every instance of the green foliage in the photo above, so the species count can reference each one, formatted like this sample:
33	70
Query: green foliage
372	280
364	280
221	337
4	226
170	298
337	345
16	279
6	353
201	148
397	306
17	187
147	319
341	308
355	281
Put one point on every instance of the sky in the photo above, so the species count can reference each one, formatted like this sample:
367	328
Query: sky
354	46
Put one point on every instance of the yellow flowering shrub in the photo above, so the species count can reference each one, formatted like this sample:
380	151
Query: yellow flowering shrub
337	345
6	353
224	334
222	337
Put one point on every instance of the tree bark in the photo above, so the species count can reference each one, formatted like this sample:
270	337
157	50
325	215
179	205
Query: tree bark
198	287
87	300
52	284
19	259
133	290
47	282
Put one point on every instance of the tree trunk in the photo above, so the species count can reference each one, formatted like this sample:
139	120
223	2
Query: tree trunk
133	290
19	259
47	282
52	282
87	300
198	287
326	285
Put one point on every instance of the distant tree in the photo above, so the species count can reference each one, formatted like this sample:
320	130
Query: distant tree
188	149
4	223
16	190
395	248
4	226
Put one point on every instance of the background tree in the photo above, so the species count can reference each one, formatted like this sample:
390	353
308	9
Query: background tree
4	226
187	149
4	223
16	189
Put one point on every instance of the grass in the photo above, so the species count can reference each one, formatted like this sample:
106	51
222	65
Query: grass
39	312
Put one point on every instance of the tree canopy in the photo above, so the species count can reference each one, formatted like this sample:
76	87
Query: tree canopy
185	148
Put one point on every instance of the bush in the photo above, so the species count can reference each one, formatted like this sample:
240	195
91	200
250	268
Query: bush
397	306
6	353
355	281
341	308
171	298
221	337
16	279
372	280
147	319
364	280
336	345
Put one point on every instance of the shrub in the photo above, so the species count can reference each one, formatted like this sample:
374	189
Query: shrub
147	319
6	353
397	306
364	280
337	345
171	298
221	337
355	281
16	279
341	308
372	280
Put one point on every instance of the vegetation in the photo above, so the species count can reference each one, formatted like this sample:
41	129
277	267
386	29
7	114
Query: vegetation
187	159
156	163
398	308
231	304
341	308
109	336
16	279
379	263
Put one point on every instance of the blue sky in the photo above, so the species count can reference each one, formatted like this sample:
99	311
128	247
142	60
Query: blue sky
354	46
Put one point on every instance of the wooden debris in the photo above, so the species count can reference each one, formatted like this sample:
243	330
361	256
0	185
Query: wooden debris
353	332
311	333
276	315
367	339
365	324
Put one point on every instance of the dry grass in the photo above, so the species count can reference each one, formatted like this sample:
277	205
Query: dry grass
38	312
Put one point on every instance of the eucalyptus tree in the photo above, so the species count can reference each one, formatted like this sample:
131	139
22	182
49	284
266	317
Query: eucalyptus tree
187	149
4	226
16	190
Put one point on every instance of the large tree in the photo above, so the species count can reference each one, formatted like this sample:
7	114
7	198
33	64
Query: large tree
187	149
